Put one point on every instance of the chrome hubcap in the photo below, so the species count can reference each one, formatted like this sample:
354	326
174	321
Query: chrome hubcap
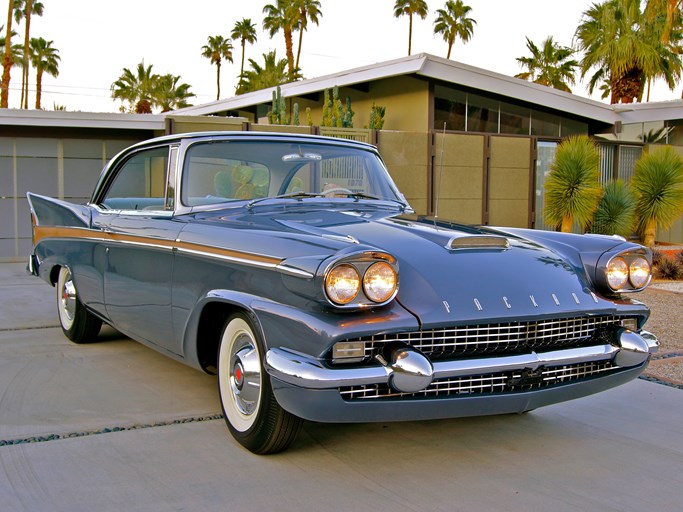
68	298
245	375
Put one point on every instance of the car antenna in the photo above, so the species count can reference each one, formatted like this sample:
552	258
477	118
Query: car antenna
438	188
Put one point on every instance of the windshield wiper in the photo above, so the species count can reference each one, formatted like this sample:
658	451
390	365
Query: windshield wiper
293	195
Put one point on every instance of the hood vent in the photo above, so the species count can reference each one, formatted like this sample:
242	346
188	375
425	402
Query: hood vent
478	242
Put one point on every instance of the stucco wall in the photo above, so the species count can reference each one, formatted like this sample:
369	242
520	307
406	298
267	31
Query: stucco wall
509	181
459	177
406	100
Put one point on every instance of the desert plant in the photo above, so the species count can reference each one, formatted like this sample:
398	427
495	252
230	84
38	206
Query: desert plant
377	117
658	186
572	190
616	212
679	257
334	113
295	114
278	111
657	257
669	269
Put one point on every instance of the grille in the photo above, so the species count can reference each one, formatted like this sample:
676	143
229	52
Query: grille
503	382
511	337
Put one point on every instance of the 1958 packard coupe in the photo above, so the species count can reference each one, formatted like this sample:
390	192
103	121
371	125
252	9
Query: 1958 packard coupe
293	268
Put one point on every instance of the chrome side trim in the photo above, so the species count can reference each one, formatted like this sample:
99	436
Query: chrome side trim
232	259
306	372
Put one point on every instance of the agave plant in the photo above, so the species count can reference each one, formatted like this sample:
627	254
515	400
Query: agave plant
616	212
572	190
658	186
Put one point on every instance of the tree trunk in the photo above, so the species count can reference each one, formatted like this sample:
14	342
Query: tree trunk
290	52
302	19
450	45
649	233
7	59
567	224
410	33
242	66
27	64
39	87
218	80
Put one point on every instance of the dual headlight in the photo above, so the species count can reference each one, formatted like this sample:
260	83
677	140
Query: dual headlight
360	283
627	272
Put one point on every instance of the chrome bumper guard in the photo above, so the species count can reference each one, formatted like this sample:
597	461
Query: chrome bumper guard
408	370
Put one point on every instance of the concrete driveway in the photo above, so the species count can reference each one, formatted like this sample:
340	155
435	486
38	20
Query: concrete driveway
114	426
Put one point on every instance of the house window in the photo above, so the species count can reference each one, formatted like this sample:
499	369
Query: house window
482	114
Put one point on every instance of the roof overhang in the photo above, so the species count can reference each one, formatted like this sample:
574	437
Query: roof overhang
430	67
63	119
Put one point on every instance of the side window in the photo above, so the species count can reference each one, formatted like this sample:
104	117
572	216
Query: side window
140	183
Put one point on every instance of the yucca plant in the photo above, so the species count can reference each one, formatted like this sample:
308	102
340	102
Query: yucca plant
658	186
668	269
572	190
616	212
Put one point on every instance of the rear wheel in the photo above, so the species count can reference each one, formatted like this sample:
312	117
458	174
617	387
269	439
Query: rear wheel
252	414
78	324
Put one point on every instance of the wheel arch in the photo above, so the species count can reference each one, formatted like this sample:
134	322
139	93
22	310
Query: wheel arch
203	333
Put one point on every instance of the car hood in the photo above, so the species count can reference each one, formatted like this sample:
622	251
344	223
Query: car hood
438	283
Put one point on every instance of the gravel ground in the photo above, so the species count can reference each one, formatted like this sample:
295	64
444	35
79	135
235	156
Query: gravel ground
665	299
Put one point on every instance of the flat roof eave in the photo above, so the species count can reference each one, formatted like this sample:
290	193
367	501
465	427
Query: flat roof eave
65	119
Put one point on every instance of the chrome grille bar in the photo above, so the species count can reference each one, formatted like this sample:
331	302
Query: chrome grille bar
481	384
503	337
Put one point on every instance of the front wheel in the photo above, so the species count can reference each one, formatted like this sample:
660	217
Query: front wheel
78	324
252	414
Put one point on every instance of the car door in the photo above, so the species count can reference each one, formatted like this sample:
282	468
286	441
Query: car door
139	240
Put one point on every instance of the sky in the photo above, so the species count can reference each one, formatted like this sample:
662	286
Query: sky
96	39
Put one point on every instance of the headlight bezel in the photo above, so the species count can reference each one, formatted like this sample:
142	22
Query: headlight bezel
362	263
631	283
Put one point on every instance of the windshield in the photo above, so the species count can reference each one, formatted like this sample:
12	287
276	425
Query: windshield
225	171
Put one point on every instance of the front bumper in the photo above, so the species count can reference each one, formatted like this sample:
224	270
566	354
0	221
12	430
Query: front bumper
300	381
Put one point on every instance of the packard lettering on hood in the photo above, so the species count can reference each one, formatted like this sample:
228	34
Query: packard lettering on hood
293	268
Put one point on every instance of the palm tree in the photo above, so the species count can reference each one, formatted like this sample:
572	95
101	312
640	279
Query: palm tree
24	9
272	73
16	50
550	66
168	95
135	88
245	31
617	39
669	11
452	22
217	50
308	10
283	16
666	18
45	58
658	186
572	190
7	59
410	7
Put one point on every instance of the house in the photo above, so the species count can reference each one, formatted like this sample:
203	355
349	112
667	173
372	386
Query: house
460	141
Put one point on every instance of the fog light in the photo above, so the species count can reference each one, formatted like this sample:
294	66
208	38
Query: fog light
348	352
629	323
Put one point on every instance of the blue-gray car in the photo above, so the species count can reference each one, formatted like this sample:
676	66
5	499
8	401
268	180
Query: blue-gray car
293	268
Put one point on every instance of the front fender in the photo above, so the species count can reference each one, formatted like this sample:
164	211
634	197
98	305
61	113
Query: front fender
283	326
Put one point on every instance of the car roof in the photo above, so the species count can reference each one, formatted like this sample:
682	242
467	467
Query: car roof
264	136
